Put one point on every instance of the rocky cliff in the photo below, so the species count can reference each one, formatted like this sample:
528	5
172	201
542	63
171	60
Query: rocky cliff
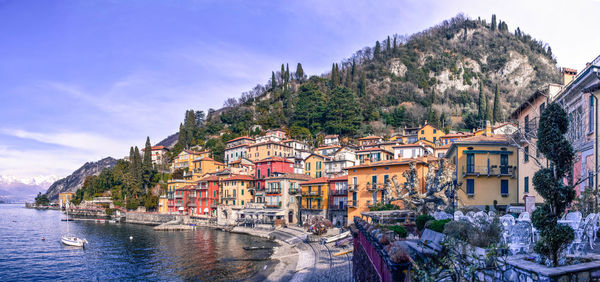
74	181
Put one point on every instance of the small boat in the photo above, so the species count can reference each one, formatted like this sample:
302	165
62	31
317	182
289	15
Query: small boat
112	221
71	240
66	219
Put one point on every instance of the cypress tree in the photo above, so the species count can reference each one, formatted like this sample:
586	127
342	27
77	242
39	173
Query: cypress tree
493	22
299	72
497	117
481	106
353	71
287	73
282	74
273	81
377	51
388	48
395	51
182	138
488	109
148	155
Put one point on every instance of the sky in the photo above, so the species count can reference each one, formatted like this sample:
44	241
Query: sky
83	80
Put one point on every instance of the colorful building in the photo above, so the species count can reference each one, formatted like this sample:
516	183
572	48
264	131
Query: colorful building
268	149
236	190
172	186
373	155
237	148
266	168
205	166
530	160
314	165
451	137
429	133
64	199
314	198
158	154
366	181
337	163
185	159
283	197
486	171
369	141
409	151
208	189
338	200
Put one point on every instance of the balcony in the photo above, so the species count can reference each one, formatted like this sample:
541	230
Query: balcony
313	207
374	187
273	191
229	197
489	171
276	205
294	191
353	187
338	207
178	196
213	205
340	192
311	193
352	204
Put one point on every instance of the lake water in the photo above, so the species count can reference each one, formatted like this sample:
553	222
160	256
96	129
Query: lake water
203	254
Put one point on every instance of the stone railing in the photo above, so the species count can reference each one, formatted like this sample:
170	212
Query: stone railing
370	258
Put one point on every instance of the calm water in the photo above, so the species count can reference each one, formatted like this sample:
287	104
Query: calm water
203	254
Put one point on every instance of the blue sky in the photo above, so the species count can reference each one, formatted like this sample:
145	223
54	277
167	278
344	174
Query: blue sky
82	80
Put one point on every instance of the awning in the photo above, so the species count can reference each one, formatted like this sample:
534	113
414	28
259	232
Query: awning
205	209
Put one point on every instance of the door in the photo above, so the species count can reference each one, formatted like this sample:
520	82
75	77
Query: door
470	163
504	164
290	217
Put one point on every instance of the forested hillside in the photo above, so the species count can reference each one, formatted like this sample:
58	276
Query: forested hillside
454	75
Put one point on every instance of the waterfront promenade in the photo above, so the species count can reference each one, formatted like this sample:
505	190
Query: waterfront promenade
299	260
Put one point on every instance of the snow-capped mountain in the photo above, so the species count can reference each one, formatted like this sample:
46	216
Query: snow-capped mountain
14	189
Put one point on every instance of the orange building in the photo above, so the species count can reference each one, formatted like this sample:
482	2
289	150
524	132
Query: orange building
260	151
366	181
314	198
236	190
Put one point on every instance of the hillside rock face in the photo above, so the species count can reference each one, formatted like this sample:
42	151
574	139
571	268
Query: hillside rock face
75	181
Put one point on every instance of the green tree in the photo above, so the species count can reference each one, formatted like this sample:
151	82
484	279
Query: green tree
310	107
494	22
488	109
299	73
388	48
377	51
342	115
496	113
273	81
335	76
148	169
182	137
482	109
41	199
549	183
301	133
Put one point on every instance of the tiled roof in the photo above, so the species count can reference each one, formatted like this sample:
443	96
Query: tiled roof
210	178
240	138
396	162
274	159
331	136
370	137
238	177
297	176
316	180
458	134
339	178
372	149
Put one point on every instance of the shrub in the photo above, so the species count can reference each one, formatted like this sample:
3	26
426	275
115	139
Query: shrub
422	219
132	204
109	211
438	225
458	229
399	229
386	207
485	234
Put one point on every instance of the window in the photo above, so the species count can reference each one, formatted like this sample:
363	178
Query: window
268	172
526	184
242	194
422	131
504	164
470	187
527	124
591	179
504	187
307	166
434	138
385	178
526	154
542	108
470	162
434	132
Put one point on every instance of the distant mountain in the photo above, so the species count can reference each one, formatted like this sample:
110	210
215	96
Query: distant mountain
15	190
170	141
74	181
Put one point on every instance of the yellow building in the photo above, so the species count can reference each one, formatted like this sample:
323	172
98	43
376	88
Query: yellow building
185	159
366	181
430	133
260	151
163	204
65	198
236	190
314	165
373	155
205	166
315	196
486	169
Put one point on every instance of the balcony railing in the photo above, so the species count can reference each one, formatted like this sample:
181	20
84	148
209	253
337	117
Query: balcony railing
353	187
273	191
313	207
178	196
293	191
339	192
310	193
353	204
472	170
371	203
374	186
338	207
229	197
276	205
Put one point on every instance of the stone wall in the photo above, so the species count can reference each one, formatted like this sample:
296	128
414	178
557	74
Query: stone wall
148	218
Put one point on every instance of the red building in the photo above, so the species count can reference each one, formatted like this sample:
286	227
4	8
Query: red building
208	190
338	200
267	168
185	199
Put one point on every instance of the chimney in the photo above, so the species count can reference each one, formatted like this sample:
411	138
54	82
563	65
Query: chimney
488	128
568	75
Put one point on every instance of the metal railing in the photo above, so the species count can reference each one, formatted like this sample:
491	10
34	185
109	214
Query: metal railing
353	187
473	170
339	192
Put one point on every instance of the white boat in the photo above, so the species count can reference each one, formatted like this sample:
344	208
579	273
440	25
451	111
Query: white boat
69	239
73	241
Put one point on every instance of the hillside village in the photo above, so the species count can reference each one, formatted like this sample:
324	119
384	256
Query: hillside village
271	178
